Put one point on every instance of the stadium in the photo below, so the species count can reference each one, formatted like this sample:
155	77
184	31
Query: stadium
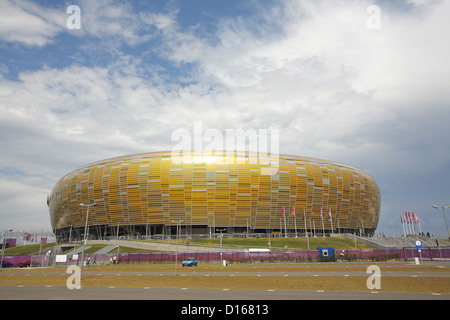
202	194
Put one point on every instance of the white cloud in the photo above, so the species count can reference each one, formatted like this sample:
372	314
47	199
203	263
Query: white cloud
334	88
27	23
112	21
23	204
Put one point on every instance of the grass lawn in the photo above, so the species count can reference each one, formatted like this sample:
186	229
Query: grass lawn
26	249
277	244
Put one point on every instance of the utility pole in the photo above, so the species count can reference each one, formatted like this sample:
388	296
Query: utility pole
85	231
176	243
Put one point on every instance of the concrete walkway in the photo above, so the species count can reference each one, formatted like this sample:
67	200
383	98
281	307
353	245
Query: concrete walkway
163	247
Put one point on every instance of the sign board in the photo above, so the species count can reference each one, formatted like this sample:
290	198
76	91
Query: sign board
61	258
418	244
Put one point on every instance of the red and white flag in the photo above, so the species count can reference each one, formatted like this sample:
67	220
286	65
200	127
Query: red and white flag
293	212
282	213
329	214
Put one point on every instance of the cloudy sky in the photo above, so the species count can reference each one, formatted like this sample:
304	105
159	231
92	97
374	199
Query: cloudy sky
366	83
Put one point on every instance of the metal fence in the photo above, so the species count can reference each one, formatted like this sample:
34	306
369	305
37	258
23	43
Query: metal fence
404	254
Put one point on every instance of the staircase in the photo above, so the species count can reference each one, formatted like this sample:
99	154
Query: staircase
397	242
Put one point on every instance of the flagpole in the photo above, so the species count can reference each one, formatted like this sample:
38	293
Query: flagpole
406	223
338	225
409	222
418	222
331	219
314	223
281	228
314	228
321	218
295	220
285	230
403	223
306	230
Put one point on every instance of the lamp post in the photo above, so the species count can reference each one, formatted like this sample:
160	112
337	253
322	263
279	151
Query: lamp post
445	218
176	243
4	245
85	231
221	236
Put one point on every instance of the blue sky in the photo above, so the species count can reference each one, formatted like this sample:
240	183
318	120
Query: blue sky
375	98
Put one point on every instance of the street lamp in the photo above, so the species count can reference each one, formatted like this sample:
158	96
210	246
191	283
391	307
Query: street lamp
4	245
221	236
445	218
176	243
85	231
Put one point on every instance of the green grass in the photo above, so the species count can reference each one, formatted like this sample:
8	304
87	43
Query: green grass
300	243
26	249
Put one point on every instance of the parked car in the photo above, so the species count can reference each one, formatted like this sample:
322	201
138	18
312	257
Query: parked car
6	264
25	263
189	262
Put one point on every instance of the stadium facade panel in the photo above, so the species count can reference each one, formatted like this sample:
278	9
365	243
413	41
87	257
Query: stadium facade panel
208	192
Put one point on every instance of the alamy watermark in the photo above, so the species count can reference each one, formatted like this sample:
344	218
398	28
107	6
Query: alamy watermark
74	20
234	145
74	280
374	280
373	21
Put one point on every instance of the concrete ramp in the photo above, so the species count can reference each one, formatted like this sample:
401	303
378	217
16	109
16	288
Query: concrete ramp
78	250
105	250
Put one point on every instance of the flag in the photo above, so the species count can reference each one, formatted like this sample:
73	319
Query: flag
329	214
282	213
293	212
321	217
416	217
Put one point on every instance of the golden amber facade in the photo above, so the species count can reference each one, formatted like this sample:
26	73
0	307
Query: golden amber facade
238	191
